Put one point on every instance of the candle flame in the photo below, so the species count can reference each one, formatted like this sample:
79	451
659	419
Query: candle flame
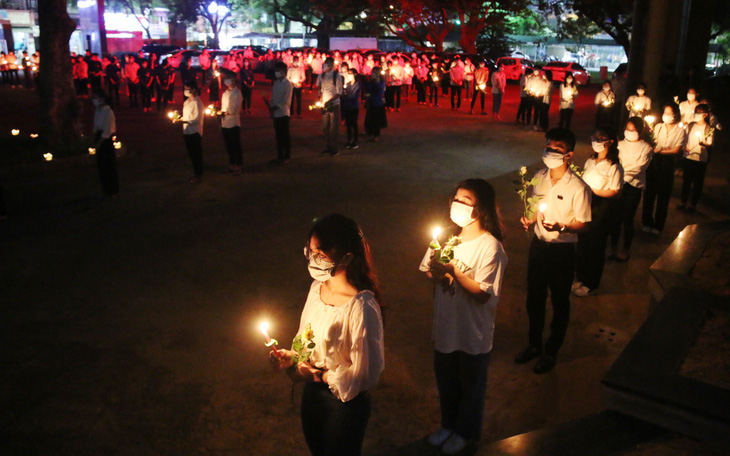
170	114
34	135
48	156
436	232
92	151
543	206
264	327
117	145
650	119
15	132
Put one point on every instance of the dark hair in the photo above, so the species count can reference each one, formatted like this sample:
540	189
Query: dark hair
563	135
342	235
329	61
280	66
642	85
702	108
606	82
637	122
609	132
675	110
486	207
565	81
193	87
104	95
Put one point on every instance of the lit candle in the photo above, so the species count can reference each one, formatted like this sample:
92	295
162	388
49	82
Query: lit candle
34	135
170	114
117	144
15	132
436	232
92	151
543	207
650	119
264	327
48	156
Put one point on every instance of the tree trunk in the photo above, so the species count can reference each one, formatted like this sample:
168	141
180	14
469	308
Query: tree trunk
468	38
58	103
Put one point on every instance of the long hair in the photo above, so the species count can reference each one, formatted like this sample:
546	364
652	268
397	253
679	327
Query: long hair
565	80
610	133
342	235
486	208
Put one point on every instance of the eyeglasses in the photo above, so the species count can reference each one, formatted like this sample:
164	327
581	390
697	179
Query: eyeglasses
319	258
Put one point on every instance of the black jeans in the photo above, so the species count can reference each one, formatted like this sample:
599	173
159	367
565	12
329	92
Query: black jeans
146	95
629	203
132	89
524	111
420	91
536	103
283	140
481	94
106	163
590	256
544	116
659	183
350	116
693	179
566	116
232	140
332	427
455	97
246	92
194	146
549	267
433	95
461	379
296	99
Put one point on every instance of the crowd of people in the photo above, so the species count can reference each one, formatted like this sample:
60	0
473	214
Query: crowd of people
11	66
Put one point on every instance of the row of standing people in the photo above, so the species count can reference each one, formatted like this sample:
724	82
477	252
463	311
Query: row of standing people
11	65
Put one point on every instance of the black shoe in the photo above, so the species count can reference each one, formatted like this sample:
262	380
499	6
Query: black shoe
527	355
545	364
330	153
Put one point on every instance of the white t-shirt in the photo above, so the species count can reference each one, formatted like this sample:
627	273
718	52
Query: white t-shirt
568	200
193	116
635	157
687	110
348	341
603	175
568	94
638	105
694	136
461	323
329	87
231	105
605	99
669	139
105	121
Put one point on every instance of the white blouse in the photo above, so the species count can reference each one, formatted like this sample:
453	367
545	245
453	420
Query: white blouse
693	150
603	175
687	111
348	341
105	121
605	99
669	139
568	94
460	322
638	105
193	116
635	157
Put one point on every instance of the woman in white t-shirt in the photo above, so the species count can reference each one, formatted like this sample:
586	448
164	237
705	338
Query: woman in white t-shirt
344	312
639	105
700	136
466	293
635	155
687	107
604	174
568	95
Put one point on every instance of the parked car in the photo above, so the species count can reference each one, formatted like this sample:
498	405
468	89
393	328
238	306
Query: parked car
186	54
159	49
514	67
559	69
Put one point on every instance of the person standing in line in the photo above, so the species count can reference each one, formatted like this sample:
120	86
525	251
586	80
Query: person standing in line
375	116
231	103
105	128
344	299
700	136
193	117
12	62
82	70
95	73
499	84
131	69
469	70
397	77
525	109
481	78
669	138
114	79
27	64
163	84
604	175
330	91
604	101
4	68
466	295
456	81
546	97
420	78
551	262
639	105
204	59
247	83
214	88
280	110
434	82
296	75
351	106
408	77
568	95
687	107
635	155
146	81
316	64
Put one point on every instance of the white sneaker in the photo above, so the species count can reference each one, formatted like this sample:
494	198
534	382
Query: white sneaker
582	291
576	285
439	437
454	445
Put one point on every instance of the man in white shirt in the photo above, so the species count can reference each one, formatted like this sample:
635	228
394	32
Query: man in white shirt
499	84
563	211
192	119
231	103
297	76
130	75
330	85
280	109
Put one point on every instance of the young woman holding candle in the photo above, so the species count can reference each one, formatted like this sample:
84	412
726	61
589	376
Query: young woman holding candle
604	101
344	311
466	293
700	135
604	175
568	94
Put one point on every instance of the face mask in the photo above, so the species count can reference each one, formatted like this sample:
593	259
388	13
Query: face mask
598	146
699	117
187	93
631	135
552	159
606	89
667	119
461	214
640	92
691	97
321	271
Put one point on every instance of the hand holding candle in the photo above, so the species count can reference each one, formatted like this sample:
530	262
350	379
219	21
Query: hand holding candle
435	242
264	327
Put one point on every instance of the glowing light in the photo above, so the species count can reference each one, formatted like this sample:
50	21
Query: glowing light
436	233
170	114
86	3
117	145
34	135
15	132
482	86
48	156
649	119
264	328
92	151
543	207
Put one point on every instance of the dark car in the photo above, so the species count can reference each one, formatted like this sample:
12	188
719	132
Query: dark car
159	49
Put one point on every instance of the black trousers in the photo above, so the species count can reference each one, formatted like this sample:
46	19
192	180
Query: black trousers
544	116
536	103
629	203
246	92
28	76
194	146
658	191
332	427
146	95
524	111
232	140
420	91
590	256
549	267
296	100
397	91
481	94
283	139
433	95
566	117
350	116
106	163
133	89
693	179
113	90
461	379
455	97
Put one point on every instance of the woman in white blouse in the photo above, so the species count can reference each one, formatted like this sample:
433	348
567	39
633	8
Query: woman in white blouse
635	155
344	311
668	138
639	105
604	174
700	136
568	95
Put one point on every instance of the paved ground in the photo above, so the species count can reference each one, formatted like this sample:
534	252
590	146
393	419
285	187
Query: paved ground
129	326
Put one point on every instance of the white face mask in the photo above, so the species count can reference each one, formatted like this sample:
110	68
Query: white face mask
640	92
699	117
667	118
321	271
461	214
606	89
552	159
631	135
598	146
691	97
187	93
